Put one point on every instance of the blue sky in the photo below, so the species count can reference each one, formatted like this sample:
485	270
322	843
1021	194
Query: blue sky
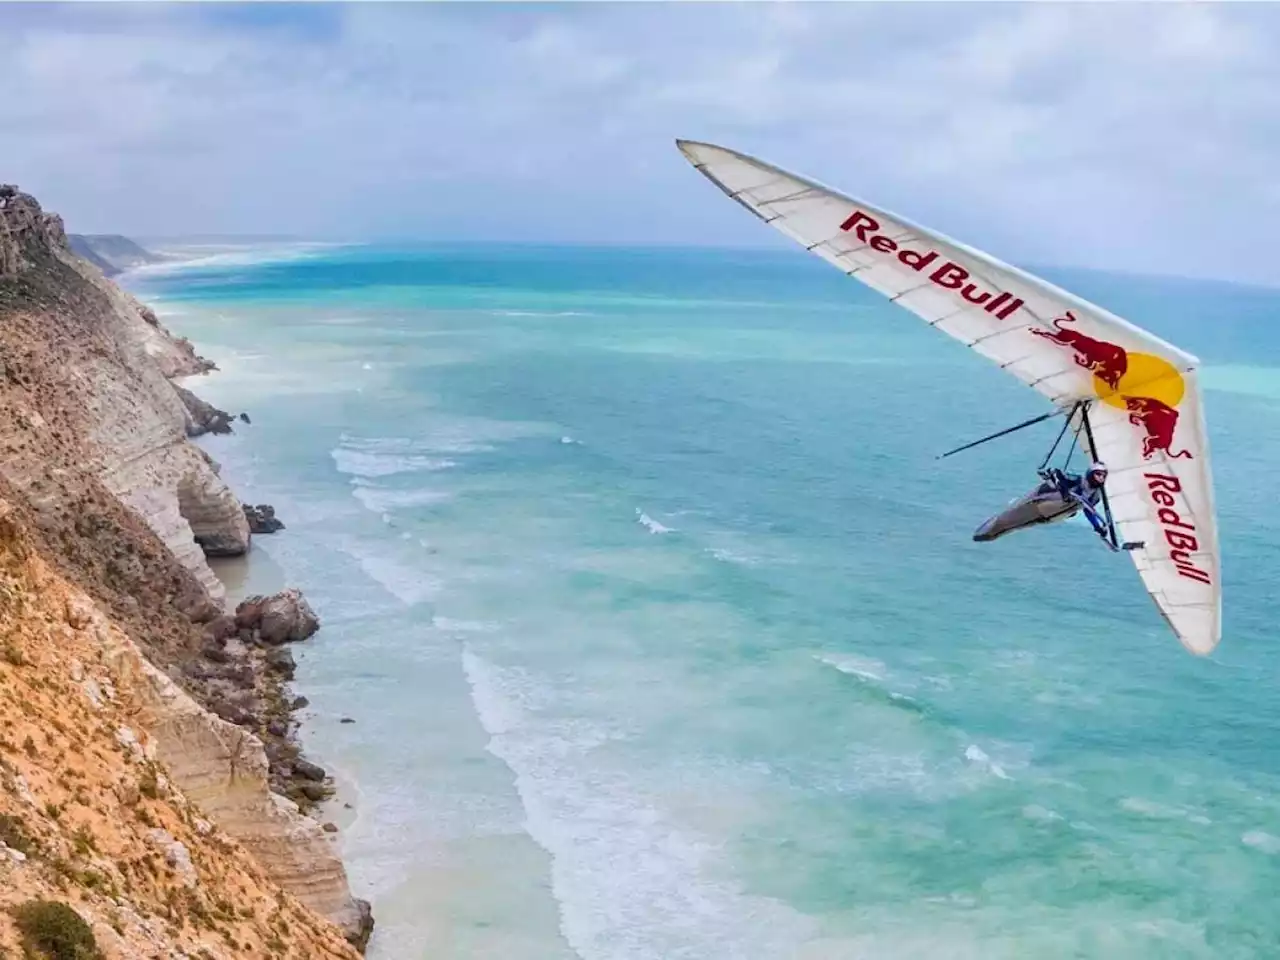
1138	137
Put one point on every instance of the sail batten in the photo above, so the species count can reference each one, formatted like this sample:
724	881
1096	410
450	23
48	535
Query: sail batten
1146	410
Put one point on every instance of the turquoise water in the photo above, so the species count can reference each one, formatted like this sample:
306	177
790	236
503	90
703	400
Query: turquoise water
665	636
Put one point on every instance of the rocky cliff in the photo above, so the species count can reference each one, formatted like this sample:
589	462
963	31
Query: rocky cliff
123	800
110	253
111	511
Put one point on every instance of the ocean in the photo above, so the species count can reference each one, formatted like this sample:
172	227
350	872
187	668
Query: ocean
664	635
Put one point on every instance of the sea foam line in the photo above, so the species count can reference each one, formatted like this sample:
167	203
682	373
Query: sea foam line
630	884
650	524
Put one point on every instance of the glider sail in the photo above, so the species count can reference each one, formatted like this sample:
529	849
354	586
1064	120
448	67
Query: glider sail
1145	415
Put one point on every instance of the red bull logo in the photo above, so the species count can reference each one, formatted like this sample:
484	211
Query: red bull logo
1107	361
1146	387
1157	419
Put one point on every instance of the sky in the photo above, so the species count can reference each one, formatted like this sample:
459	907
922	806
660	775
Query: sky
1138	137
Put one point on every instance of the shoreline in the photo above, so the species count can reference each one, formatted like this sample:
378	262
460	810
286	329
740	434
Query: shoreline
255	573
323	793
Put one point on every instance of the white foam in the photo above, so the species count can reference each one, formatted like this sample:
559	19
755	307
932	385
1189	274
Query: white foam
497	713
650	524
371	463
1261	840
406	583
382	500
448	625
1160	811
632	884
202	256
1034	811
975	754
729	556
862	667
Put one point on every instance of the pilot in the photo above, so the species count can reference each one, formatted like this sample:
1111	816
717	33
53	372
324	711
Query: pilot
1086	489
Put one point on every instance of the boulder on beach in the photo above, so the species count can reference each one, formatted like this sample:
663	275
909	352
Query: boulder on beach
285	617
262	518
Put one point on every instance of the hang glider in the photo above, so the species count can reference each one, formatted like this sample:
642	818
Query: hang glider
1132	400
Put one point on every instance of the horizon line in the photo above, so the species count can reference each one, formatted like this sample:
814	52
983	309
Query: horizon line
390	240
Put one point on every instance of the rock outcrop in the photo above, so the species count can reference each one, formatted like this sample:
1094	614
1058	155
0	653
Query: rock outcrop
262	518
114	511
283	618
202	417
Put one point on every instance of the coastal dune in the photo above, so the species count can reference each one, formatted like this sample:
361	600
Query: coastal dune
108	501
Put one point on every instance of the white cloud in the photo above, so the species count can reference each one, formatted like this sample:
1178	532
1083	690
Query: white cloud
1135	136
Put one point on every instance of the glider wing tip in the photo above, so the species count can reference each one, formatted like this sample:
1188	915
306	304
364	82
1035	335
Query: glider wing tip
1201	646
690	148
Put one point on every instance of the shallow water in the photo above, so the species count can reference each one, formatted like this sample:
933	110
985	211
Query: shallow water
665	635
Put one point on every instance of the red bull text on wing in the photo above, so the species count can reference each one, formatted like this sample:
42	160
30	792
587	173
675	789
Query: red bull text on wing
949	276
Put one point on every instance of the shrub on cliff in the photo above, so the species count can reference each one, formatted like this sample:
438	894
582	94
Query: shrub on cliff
53	931
14	835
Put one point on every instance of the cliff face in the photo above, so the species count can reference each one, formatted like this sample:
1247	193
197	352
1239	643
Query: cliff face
85	378
111	503
94	814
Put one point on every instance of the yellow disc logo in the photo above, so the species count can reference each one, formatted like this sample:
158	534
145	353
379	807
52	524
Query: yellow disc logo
1144	376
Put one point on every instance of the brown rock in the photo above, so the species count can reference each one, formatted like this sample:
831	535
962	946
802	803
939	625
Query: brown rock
249	612
359	937
308	770
202	417
281	661
195	604
232	712
240	674
315	792
287	618
262	518
221	629
215	652
128	793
